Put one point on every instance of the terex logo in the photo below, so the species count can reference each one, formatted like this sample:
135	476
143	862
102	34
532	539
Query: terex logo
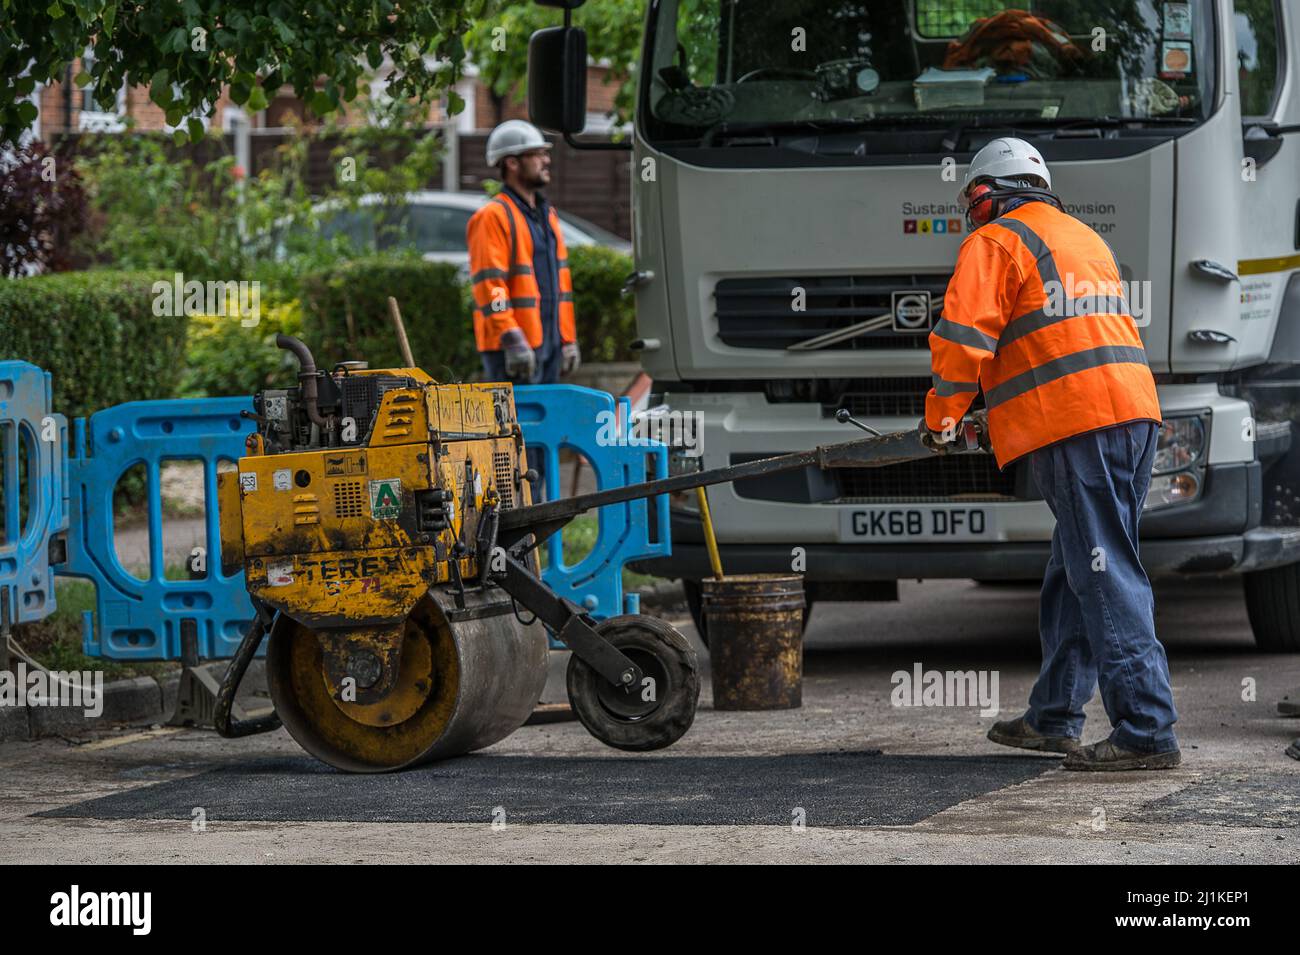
76	908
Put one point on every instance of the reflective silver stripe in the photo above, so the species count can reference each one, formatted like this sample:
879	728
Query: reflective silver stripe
965	335
566	296
514	303
521	270
1046	264
1039	318
946	389
482	274
1060	367
562	263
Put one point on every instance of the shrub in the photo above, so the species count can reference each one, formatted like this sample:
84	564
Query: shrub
97	333
42	209
606	318
345	314
225	358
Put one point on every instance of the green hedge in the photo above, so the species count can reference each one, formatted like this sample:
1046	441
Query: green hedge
606	317
436	308
434	305
97	333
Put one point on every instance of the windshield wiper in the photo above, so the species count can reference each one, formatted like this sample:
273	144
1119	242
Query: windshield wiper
765	133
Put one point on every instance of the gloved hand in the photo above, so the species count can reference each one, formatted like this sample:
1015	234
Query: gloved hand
521	363
935	440
571	358
981	421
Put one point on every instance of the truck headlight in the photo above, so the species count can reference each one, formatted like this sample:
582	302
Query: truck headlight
1178	471
1181	445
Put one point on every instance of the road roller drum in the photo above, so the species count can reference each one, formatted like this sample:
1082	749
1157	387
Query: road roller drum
461	686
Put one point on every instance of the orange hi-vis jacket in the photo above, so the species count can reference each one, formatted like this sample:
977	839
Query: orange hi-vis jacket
1036	315
501	272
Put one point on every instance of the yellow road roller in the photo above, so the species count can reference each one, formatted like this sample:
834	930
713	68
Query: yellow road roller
385	527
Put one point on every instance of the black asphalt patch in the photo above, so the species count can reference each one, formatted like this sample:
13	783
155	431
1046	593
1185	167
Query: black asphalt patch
831	789
1269	801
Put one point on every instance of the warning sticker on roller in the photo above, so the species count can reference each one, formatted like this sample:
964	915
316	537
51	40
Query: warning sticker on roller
247	481
281	480
279	573
385	499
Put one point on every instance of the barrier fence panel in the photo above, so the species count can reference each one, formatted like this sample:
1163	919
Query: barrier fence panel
589	423
143	617
33	491
147	612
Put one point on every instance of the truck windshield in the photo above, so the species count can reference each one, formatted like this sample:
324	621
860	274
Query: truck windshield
727	68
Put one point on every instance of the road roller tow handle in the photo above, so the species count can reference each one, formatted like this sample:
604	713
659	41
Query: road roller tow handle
879	450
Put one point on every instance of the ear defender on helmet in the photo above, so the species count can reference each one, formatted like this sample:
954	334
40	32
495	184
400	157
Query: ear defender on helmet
979	204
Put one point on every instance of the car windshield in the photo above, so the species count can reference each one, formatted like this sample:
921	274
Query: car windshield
744	65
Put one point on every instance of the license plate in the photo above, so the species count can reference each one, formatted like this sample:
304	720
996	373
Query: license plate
916	524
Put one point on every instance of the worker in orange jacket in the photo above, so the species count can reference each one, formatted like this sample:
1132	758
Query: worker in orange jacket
523	293
1036	318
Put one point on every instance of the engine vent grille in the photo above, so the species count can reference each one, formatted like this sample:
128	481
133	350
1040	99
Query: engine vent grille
348	499
761	313
503	466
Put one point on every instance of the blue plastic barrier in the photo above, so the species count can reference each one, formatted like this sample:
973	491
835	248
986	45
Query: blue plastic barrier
32	442
587	421
141	619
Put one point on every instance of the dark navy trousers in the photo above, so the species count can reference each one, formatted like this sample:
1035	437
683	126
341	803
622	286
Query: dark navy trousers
1097	613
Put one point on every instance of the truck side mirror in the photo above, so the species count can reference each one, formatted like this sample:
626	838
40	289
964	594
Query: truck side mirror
1260	143
557	79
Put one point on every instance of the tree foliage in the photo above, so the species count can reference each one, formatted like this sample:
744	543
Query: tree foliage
498	43
188	51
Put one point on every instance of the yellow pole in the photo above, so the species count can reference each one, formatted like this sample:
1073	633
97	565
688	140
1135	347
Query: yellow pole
715	559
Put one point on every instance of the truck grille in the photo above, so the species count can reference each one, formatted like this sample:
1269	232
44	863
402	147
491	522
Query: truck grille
959	477
761	312
880	397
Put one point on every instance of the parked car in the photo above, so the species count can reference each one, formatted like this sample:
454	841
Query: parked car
433	222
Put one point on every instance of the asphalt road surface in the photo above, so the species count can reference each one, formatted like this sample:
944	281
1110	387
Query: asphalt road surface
848	777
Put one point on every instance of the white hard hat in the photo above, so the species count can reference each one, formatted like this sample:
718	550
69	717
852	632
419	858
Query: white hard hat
1007	158
513	137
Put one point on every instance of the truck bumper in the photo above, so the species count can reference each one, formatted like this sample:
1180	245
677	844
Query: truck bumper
1210	553
1254	550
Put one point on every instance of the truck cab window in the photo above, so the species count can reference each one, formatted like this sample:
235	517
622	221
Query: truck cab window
724	67
1256	25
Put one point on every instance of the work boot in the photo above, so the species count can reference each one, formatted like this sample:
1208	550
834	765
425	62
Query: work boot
1289	705
1294	749
1107	757
1020	734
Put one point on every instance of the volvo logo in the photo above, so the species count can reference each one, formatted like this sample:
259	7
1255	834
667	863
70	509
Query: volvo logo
911	311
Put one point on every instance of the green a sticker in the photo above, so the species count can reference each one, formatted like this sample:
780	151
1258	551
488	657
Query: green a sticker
385	499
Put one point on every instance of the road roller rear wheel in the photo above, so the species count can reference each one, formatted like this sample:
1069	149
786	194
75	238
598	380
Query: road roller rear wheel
459	687
652	715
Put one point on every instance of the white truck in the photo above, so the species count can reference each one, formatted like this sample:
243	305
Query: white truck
794	178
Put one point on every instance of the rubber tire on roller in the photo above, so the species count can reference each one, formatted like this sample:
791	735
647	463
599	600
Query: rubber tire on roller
482	678
1273	606
653	645
695	604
